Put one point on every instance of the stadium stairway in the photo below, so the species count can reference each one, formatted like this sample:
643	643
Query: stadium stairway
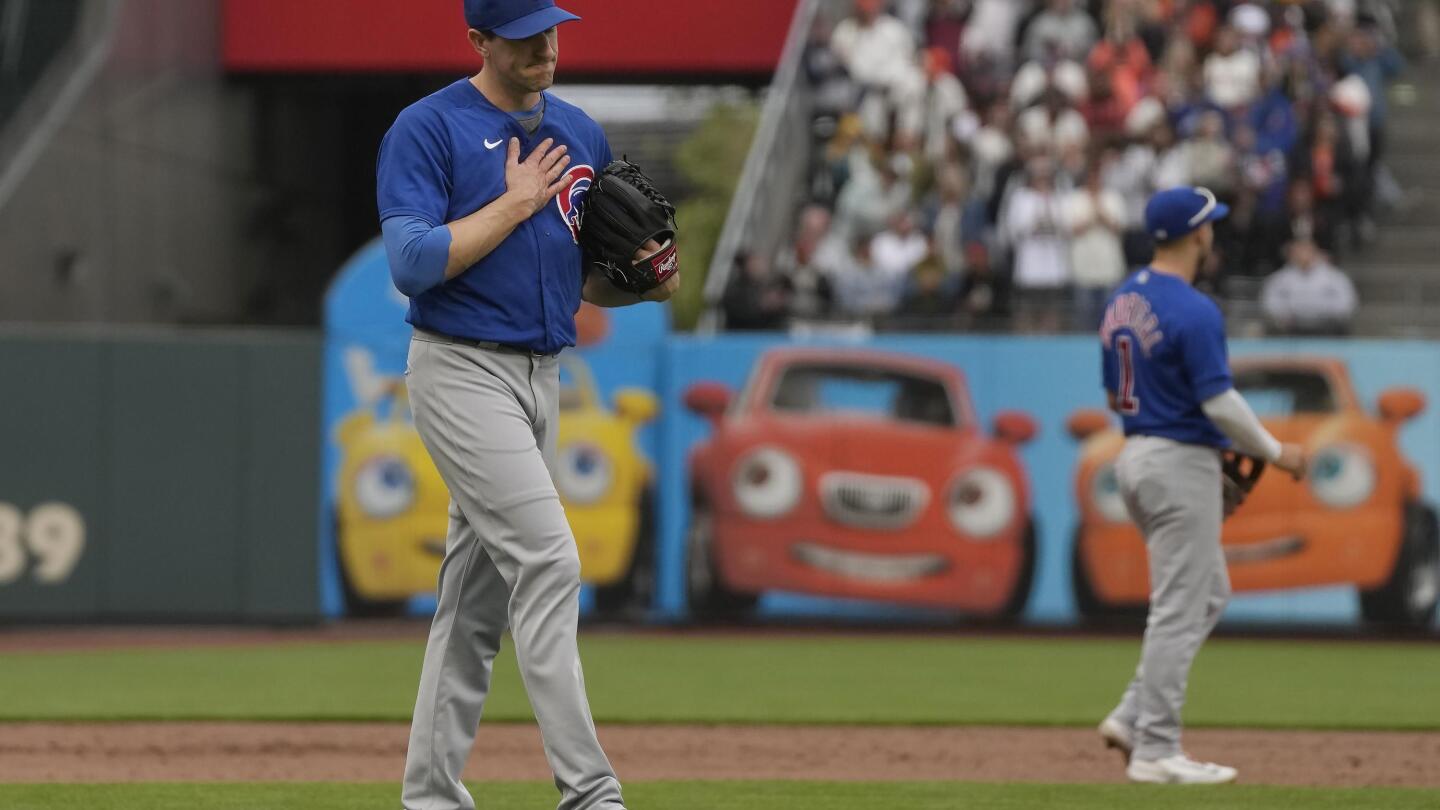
1398	278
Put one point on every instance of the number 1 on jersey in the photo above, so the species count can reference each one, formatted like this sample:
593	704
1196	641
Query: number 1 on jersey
1125	349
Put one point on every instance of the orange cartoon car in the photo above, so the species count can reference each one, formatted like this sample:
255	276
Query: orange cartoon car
1358	519
857	474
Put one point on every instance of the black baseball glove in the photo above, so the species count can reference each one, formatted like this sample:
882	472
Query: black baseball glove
623	211
1239	474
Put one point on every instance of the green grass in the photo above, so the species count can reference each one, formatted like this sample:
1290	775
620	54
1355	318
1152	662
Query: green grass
828	679
711	796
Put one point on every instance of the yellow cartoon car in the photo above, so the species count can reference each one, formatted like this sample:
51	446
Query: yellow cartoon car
606	485
392	506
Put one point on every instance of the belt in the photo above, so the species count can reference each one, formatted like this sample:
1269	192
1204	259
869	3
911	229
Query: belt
488	345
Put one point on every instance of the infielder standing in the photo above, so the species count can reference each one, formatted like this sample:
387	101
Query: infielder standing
485	244
1168	376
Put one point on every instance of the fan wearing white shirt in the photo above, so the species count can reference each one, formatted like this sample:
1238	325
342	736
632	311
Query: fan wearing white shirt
1232	74
1095	216
1309	295
1033	223
876	48
896	250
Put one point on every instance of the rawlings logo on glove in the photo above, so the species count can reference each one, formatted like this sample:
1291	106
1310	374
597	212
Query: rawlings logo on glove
622	212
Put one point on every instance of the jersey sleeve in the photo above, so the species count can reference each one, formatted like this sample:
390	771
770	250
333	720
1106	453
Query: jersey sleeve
412	175
1207	362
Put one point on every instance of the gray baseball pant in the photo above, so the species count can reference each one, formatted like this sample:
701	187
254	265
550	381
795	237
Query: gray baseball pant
489	420
1172	492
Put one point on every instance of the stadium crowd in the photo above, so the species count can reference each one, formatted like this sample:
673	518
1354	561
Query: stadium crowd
984	164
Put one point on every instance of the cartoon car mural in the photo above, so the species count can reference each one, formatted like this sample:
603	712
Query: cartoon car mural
1357	520
607	486
392	506
857	474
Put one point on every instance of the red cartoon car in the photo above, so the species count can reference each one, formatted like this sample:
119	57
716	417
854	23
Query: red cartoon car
857	474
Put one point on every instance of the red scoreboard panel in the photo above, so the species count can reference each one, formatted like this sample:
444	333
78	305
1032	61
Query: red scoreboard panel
621	38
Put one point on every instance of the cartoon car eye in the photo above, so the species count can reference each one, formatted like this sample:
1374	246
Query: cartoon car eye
1342	476
385	487
1105	495
584	473
982	503
767	483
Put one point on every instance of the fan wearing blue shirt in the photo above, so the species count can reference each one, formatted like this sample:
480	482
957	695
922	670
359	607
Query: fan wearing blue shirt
1166	372
481	187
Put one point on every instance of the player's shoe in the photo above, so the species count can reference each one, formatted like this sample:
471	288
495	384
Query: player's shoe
1117	735
1179	770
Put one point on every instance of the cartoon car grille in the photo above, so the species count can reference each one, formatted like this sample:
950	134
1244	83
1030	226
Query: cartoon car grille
872	501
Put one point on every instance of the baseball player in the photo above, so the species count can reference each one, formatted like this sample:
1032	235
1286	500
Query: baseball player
481	188
1167	374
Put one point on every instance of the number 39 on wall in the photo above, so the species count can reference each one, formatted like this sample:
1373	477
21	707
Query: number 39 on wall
53	533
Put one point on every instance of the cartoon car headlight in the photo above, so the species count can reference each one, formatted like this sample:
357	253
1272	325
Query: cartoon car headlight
1342	476
982	503
1105	495
767	483
384	487
584	473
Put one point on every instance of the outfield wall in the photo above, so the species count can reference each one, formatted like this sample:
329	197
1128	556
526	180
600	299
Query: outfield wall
158	475
1379	476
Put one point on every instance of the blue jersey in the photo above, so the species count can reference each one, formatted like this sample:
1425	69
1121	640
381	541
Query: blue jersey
1163	354
443	160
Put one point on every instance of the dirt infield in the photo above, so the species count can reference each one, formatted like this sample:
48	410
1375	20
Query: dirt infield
49	752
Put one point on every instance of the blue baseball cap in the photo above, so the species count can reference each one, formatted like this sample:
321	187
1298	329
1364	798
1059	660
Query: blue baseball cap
515	19
1177	212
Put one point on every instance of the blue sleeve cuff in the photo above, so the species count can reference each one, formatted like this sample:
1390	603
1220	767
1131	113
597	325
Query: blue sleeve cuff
418	253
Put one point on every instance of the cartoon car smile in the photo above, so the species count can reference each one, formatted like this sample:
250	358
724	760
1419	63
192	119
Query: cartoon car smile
862	475
1358	519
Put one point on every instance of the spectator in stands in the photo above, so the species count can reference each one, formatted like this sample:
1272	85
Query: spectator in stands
896	250
1053	125
878	51
966	126
1209	158
1104	111
1095	216
1377	63
1335	176
755	297
946	219
1252	23
807	264
875	194
1063	28
946	26
931	295
1122	56
1264	186
1309	296
846	150
861	290
991	29
1035	79
1033	224
927	101
876	48
1305	221
991	148
980	289
1232	74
